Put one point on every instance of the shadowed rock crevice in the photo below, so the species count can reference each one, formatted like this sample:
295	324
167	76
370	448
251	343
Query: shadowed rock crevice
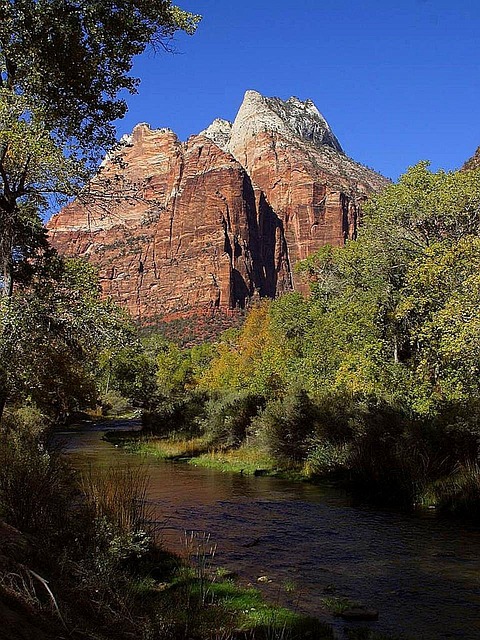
240	292
274	251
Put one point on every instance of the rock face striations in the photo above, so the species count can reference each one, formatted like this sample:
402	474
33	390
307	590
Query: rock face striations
473	162
180	228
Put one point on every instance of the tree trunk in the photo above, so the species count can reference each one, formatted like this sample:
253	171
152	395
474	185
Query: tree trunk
8	279
395	349
3	402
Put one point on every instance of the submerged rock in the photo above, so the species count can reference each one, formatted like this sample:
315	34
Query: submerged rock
359	613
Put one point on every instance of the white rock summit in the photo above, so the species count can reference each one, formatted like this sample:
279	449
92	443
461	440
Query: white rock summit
292	118
220	132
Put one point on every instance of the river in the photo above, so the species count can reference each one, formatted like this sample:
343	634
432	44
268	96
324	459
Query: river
421	573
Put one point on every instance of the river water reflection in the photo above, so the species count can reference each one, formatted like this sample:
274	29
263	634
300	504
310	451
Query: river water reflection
421	573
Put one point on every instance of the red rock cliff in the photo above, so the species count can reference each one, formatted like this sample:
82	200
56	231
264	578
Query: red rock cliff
208	224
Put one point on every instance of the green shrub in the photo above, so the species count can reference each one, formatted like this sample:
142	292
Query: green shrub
286	426
333	415
25	420
394	457
326	458
380	463
36	488
455	433
229	417
180	416
35	484
114	404
390	455
459	494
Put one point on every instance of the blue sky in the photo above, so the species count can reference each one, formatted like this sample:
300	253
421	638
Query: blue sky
398	81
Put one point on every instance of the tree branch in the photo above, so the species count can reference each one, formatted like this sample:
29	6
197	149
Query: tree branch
3	174
3	151
20	190
11	73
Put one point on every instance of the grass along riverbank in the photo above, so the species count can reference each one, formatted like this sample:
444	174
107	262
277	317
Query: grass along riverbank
163	597
247	459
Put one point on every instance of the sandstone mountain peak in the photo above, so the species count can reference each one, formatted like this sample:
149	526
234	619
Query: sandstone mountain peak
220	132
294	119
144	130
222	218
299	122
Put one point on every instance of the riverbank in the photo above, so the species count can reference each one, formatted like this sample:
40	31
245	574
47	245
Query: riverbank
365	478
246	460
167	597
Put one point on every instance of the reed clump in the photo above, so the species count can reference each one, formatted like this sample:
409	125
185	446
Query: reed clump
87	540
119	495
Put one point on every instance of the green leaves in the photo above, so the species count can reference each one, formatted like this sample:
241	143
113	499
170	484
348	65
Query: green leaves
440	305
426	207
33	165
51	336
73	58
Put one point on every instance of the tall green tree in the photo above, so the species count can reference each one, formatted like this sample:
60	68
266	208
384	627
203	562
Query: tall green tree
439	307
63	64
33	168
72	58
51	335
